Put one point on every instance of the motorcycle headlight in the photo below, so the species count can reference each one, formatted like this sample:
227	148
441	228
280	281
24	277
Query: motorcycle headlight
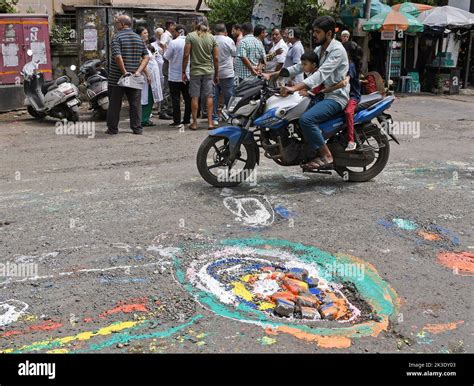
233	103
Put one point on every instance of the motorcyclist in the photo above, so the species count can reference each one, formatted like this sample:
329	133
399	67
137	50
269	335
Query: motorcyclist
334	65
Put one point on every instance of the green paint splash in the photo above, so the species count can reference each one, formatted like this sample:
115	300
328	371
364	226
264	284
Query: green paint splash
372	288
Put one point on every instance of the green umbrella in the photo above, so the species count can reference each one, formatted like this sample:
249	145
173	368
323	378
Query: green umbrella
355	11
413	9
393	21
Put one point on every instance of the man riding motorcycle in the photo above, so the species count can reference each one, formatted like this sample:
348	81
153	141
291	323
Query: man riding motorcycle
334	65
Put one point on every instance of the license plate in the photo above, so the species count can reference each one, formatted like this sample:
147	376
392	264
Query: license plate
72	102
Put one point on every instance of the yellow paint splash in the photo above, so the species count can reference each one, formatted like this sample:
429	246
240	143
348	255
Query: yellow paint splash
58	351
263	306
240	290
115	327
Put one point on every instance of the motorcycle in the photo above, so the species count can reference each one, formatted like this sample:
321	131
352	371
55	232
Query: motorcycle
94	78
260	118
57	98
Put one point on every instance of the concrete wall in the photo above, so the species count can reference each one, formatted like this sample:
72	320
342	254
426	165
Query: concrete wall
56	6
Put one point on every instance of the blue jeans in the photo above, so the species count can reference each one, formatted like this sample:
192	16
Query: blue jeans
225	86
320	112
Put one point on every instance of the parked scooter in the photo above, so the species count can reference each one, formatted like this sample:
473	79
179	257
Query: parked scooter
94	78
57	98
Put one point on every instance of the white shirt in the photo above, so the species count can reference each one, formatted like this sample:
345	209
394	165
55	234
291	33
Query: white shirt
174	55
271	66
158	53
227	53
294	57
166	38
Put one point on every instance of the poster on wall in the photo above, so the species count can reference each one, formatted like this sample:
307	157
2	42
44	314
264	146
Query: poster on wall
10	54
90	39
39	52
268	13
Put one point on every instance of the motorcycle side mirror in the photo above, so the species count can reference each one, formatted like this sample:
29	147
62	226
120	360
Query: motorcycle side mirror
73	67
29	53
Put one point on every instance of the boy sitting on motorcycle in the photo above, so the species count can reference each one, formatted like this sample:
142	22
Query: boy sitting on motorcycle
310	63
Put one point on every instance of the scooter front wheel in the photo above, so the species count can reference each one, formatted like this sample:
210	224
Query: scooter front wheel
215	167
73	114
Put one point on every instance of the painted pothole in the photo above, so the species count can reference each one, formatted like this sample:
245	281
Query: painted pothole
421	231
291	288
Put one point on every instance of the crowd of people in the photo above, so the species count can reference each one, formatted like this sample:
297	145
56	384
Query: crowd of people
202	67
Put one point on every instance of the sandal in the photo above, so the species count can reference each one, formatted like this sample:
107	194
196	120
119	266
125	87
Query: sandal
319	163
148	124
190	127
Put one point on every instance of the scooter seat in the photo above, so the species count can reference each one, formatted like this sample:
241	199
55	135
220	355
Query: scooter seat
46	85
52	84
368	100
95	79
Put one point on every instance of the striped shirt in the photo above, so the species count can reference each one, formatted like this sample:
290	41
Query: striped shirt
252	49
130	46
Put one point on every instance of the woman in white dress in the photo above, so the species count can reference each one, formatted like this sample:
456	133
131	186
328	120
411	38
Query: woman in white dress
152	91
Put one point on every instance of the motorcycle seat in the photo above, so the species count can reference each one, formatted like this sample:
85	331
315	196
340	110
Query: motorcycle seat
52	84
368	100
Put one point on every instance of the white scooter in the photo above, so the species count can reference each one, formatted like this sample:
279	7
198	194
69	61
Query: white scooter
57	98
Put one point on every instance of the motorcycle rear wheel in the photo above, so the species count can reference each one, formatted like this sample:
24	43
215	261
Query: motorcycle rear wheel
369	172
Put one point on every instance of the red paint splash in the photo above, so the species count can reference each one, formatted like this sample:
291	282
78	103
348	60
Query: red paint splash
45	326
133	305
462	262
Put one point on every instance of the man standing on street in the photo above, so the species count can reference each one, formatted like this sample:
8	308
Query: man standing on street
129	56
277	61
250	53
345	36
166	38
174	54
294	52
227	52
237	33
201	49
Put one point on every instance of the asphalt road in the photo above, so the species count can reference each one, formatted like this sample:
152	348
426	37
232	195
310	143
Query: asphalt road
120	233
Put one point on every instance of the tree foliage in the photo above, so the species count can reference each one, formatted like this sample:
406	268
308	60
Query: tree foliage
297	13
229	11
8	6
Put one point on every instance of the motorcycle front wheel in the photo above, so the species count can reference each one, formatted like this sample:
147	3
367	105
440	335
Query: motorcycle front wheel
216	169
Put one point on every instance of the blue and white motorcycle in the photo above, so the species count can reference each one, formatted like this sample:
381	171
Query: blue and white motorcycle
260	118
